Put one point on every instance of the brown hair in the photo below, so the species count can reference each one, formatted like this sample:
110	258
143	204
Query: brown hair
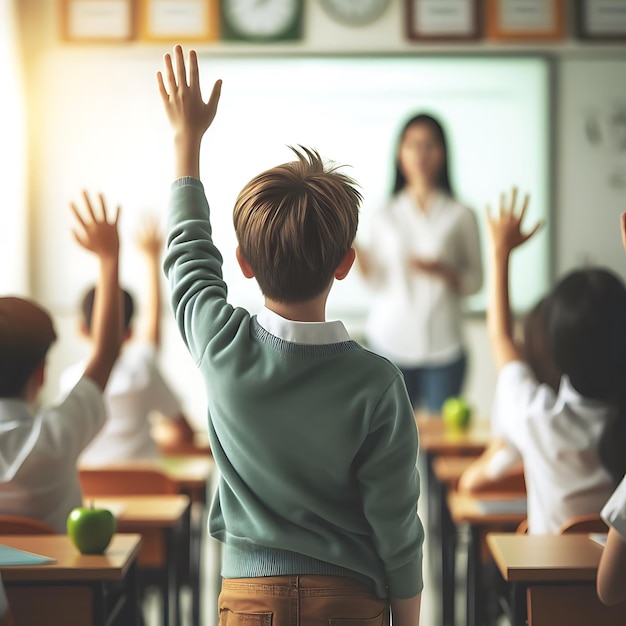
295	223
26	334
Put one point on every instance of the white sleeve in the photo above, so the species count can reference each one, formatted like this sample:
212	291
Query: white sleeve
502	461
614	511
71	425
518	396
470	259
162	398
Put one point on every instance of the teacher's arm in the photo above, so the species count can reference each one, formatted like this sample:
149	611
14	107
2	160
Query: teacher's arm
470	273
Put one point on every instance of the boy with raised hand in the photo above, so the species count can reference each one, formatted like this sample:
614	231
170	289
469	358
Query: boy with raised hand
136	387
38	451
314	436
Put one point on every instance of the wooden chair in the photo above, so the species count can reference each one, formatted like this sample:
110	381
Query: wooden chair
17	525
584	524
100	482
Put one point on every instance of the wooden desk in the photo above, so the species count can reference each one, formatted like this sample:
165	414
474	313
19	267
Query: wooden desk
76	590
466	509
449	469
437	438
558	575
439	441
162	522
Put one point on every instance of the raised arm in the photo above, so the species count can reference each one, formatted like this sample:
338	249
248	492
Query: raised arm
505	235
150	242
187	112
95	232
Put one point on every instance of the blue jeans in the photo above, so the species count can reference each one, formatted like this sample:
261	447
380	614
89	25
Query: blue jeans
432	386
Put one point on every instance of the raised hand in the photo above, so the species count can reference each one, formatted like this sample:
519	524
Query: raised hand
94	231
187	112
150	238
505	229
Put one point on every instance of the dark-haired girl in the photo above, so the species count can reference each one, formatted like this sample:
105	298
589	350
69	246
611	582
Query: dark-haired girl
423	258
570	439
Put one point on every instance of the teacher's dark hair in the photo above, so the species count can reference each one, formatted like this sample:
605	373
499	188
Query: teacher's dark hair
443	179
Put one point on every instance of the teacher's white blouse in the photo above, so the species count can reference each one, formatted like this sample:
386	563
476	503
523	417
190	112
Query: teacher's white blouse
416	317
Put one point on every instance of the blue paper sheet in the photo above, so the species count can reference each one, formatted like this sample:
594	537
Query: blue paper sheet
11	556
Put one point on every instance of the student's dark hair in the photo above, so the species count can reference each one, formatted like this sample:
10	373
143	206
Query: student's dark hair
537	346
26	334
87	308
443	179
587	328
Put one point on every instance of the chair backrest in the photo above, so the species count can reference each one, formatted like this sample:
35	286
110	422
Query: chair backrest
584	524
522	529
16	525
126	482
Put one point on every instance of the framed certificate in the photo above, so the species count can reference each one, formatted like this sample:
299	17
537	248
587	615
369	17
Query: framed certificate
179	20
601	20
97	21
442	20
525	19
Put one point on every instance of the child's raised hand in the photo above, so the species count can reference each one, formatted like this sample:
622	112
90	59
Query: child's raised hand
93	229
505	229
150	238
189	115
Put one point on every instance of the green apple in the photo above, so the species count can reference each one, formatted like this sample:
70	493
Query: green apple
456	413
91	529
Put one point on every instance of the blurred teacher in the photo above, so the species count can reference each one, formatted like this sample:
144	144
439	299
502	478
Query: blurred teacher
424	256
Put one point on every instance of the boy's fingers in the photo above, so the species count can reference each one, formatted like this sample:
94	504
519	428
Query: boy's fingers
180	66
103	208
537	226
162	90
524	207
77	215
194	72
79	239
513	200
215	96
88	205
502	204
118	208
169	74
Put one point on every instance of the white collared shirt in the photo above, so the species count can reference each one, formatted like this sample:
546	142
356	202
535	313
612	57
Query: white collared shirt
135	389
557	436
311	333
416	317
614	511
38	453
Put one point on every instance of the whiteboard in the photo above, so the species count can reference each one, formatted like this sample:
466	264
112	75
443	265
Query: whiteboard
351	109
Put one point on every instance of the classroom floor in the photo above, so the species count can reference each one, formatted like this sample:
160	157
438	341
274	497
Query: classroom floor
211	585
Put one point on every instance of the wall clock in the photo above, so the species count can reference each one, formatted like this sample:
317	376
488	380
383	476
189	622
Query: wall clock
355	12
262	20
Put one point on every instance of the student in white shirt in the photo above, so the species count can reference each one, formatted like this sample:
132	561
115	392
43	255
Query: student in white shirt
39	449
561	436
502	461
423	258
136	387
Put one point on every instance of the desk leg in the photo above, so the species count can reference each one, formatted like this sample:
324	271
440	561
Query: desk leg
518	605
475	595
448	559
171	595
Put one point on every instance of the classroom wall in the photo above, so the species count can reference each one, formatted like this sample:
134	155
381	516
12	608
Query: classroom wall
586	205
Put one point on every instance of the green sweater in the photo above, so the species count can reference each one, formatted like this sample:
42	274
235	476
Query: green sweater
316	444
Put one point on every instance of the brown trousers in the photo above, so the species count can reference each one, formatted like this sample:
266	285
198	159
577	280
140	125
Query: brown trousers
300	601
